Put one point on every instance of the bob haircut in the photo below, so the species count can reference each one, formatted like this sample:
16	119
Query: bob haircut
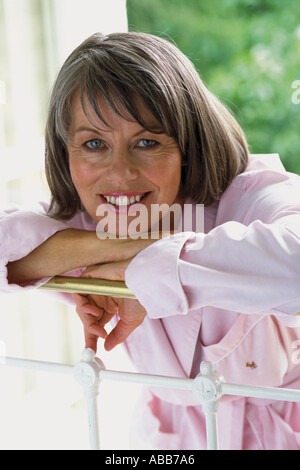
124	68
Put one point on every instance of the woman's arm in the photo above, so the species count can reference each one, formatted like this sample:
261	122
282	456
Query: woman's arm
245	269
248	263
34	247
68	250
64	251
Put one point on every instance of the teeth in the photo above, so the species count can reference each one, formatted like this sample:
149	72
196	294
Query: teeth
123	200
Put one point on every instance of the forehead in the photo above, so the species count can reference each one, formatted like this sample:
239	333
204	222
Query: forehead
107	117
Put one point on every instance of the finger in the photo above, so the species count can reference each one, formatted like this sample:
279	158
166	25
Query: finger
92	310
80	299
91	341
97	330
106	318
110	308
91	322
111	305
93	317
108	303
92	325
88	318
91	303
86	305
110	271
119	334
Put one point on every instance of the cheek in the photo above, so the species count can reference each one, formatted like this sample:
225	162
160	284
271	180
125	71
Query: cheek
171	178
82	175
166	170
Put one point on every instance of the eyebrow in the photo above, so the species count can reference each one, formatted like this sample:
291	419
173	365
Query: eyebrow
157	130
87	129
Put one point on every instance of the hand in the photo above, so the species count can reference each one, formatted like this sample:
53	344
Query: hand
95	311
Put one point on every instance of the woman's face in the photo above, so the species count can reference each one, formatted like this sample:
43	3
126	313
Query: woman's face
121	167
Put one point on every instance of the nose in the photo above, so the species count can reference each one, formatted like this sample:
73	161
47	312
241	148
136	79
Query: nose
122	167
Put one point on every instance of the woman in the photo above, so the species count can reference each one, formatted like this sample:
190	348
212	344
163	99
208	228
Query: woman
131	126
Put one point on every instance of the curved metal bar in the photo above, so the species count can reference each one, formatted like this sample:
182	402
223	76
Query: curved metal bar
88	286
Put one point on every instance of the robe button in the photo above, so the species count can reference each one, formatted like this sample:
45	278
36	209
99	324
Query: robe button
252	365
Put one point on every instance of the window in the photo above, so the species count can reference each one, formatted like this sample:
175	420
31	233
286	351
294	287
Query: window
35	38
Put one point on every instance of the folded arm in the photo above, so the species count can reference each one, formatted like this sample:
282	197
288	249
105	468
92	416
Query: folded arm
35	247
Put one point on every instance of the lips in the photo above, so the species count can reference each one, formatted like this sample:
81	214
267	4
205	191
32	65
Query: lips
124	199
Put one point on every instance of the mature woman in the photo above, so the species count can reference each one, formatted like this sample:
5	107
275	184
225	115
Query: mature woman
131	127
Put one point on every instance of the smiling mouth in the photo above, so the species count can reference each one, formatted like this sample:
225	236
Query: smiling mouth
122	200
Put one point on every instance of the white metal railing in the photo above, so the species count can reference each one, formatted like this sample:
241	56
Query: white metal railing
208	387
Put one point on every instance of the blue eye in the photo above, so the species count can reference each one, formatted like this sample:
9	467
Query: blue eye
147	143
94	144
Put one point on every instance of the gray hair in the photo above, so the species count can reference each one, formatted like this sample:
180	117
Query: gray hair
124	68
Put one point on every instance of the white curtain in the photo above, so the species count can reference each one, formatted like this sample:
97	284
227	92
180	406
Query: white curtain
38	411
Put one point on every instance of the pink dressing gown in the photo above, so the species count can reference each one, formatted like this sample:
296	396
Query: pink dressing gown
228	295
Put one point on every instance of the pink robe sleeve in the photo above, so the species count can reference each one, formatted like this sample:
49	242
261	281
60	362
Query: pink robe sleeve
21	231
249	263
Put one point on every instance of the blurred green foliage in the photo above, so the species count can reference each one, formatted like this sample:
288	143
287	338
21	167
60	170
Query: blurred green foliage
247	52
